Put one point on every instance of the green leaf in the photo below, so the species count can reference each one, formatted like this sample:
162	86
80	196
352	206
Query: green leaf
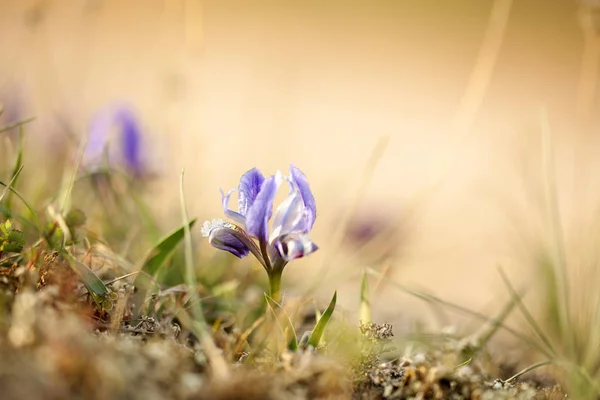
164	249
91	281
156	258
13	242
6	227
317	333
285	323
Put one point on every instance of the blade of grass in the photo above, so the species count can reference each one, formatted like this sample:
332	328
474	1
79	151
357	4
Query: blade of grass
486	335
121	277
17	168
483	69
562	282
464	363
317	333
527	369
528	317
219	366
10	184
8	127
284	322
25	202
437	311
65	203
243	339
477	86
464	310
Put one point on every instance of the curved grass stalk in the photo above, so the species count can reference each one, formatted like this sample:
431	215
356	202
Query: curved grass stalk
527	369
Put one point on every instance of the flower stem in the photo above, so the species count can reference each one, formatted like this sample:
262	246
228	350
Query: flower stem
275	285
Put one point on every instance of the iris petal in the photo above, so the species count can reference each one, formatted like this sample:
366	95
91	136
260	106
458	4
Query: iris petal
289	217
248	190
294	246
257	218
237	217
299	180
230	237
224	240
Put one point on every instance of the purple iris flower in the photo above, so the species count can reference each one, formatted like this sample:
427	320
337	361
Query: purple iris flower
127	152
287	236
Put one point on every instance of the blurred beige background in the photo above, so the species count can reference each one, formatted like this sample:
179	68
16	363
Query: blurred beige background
223	86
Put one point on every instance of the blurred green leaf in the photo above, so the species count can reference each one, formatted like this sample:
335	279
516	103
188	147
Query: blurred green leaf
54	235
285	323
156	258
91	281
6	227
75	218
13	242
163	250
317	333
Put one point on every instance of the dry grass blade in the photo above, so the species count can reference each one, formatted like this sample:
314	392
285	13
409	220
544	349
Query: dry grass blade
243	339
364	308
484	67
527	369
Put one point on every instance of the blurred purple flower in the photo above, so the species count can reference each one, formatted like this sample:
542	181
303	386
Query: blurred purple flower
12	109
374	235
121	123
293	219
